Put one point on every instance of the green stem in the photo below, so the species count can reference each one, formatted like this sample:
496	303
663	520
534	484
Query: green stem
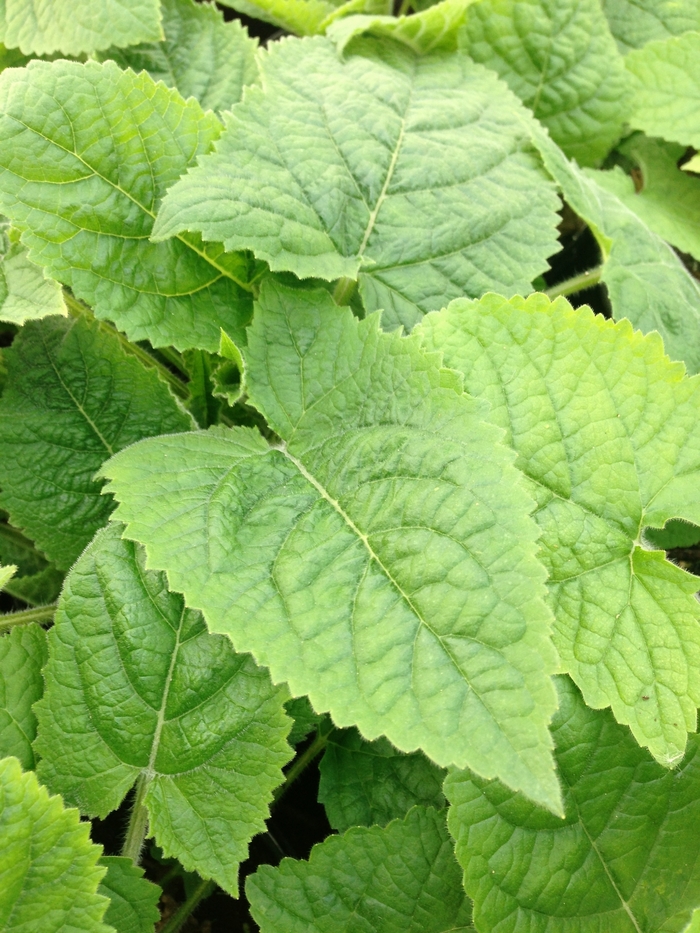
343	291
138	823
38	614
176	922
404	8
575	284
174	358
302	763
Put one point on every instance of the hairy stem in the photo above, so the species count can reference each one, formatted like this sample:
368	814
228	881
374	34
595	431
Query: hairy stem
302	763
38	614
138	823
576	284
344	290
200	893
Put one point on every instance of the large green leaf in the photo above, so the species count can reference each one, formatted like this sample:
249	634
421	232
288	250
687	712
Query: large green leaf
636	22
402	879
666	82
626	858
22	656
133	901
77	26
363	783
417	173
25	291
73	399
86	154
201	55
607	431
379	558
138	690
559	57
49	869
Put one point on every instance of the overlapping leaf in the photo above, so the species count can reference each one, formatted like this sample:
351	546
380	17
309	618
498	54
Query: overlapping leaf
22	655
133	901
136	689
402	879
201	56
606	429
380	558
49	870
73	399
416	173
36	581
86	154
636	22
675	534
561	60
625	858
25	292
306	17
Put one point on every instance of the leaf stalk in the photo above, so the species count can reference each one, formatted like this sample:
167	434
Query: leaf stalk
138	823
11	620
302	763
575	284
200	893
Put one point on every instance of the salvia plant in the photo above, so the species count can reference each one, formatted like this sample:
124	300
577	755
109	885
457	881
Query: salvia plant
326	519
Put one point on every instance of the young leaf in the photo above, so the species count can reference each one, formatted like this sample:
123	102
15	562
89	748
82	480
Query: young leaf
666	83
402	879
22	655
636	22
606	430
379	559
624	860
86	153
6	574
77	26
415	172
136	689
49	869
73	399
559	57
25	291
201	55
366	783
133	901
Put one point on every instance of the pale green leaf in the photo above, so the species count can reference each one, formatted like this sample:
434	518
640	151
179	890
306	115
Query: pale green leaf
25	291
86	153
606	429
694	925
626	858
75	26
366	783
415	172
669	199
133	901
692	165
636	22
675	534
73	399
49	869
376	8
201	55
559	57
379	559
6	574
137	689
303	17
402	879
666	84
22	656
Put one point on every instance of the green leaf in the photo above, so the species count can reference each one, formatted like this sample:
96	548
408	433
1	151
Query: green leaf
669	199
694	925
402	879
559	57
203	404
636	22
49	869
415	172
77	26
37	582
606	430
6	574
25	291
666	83
73	399
82	174
366	783
23	653
133	901
379	559
136	689
675	534
303	17
626	858
692	165
305	719
201	55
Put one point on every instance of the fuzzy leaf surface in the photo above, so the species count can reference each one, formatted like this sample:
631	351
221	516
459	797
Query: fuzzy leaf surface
73	399
367	783
401	879
561	60
636	22
72	27
380	559
23	653
414	172
666	84
201	55
606	430
49	869
137	688
625	858
86	154
25	292
133	901
674	534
